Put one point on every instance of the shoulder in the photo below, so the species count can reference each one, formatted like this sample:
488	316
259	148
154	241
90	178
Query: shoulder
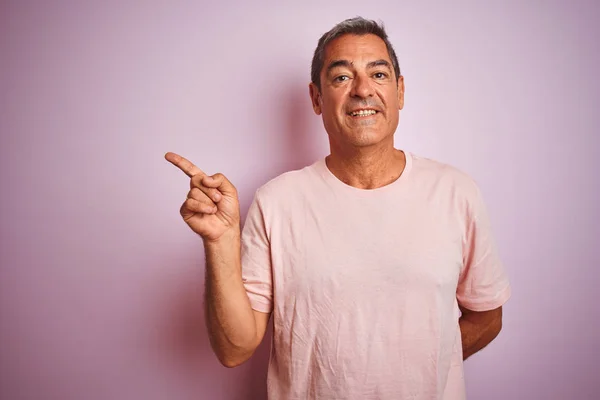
442	176
288	184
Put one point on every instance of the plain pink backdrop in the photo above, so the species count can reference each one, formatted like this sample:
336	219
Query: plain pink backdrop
101	283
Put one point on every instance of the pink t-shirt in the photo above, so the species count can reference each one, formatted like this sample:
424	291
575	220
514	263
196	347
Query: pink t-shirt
364	285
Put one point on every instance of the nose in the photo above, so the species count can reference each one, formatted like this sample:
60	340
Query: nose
361	87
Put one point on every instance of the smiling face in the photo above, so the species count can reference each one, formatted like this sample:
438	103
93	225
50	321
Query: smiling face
360	97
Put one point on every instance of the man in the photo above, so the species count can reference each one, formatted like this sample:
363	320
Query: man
378	265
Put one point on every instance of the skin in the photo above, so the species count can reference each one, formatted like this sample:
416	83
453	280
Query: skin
212	210
357	74
478	329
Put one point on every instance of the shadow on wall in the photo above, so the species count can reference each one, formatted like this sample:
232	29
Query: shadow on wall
182	345
302	139
182	331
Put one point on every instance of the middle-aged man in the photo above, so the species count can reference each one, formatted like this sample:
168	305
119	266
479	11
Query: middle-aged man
378	265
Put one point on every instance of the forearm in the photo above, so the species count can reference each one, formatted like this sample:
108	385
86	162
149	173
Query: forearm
229	316
478	330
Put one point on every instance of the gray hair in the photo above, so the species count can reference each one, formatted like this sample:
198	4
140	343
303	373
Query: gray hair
353	26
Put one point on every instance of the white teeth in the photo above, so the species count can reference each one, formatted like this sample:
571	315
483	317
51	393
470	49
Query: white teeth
363	113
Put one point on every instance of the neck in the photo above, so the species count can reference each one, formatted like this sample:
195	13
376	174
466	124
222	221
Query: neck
367	168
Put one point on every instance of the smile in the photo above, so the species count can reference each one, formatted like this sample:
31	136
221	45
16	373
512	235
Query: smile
363	113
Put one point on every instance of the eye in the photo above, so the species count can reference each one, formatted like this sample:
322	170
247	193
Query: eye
380	75
341	78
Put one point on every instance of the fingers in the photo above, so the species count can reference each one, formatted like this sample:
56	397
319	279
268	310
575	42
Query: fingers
198	207
200	195
197	201
221	183
212	193
214	186
183	164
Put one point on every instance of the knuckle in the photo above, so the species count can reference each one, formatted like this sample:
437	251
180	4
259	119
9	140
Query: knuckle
195	193
195	180
191	204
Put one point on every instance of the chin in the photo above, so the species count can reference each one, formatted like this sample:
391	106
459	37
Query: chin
365	138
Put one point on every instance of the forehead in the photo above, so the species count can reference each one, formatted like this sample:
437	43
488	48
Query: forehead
356	49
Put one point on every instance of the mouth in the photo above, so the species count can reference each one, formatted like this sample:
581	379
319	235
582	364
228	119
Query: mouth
363	112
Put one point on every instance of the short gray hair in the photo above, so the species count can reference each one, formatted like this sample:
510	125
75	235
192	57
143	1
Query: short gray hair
353	26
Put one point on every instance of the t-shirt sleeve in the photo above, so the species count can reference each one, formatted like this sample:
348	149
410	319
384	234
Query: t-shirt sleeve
483	283
256	259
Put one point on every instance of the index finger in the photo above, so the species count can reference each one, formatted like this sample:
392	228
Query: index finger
183	164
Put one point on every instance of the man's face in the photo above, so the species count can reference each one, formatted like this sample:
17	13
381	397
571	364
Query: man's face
360	97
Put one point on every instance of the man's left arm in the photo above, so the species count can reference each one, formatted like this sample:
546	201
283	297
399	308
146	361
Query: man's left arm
483	285
478	329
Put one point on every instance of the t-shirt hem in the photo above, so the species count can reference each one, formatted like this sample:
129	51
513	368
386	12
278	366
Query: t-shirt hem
488	305
260	306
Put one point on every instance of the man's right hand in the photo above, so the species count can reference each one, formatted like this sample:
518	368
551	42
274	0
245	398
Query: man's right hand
212	207
212	210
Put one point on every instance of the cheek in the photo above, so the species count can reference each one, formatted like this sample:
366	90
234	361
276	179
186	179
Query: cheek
393	97
332	108
334	101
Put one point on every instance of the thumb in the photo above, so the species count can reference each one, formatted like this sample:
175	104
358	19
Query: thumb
221	183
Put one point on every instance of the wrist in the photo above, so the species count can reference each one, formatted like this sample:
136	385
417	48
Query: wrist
229	238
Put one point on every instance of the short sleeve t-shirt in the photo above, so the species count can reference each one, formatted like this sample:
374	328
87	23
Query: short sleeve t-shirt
364	285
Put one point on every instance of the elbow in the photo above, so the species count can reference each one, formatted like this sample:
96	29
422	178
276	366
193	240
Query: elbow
234	356
492	323
228	363
493	329
497	326
232	362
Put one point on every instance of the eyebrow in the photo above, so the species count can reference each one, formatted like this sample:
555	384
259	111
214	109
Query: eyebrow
338	63
348	64
379	63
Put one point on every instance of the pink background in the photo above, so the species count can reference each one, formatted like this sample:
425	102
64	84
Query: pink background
101	282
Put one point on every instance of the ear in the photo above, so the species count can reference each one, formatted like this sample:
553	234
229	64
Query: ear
315	97
400	92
